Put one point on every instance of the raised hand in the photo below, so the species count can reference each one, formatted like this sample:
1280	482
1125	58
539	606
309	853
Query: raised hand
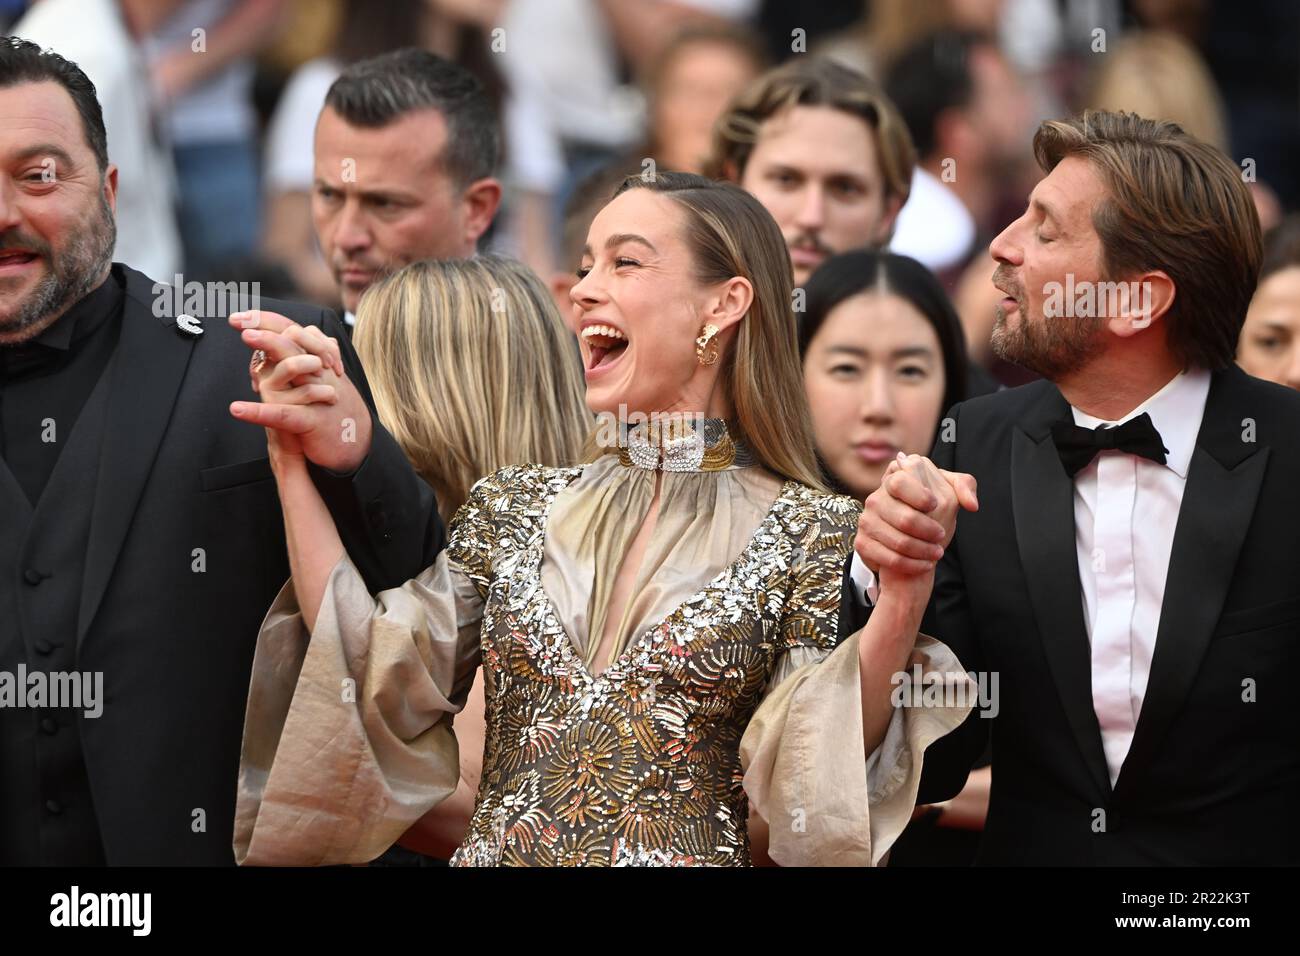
308	406
910	519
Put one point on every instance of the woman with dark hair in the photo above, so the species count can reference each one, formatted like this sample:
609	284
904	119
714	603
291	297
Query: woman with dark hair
1269	345
883	357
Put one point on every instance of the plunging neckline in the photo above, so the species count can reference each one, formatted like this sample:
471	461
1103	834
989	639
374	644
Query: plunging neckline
570	647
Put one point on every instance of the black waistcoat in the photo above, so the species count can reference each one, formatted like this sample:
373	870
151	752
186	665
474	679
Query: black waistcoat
47	816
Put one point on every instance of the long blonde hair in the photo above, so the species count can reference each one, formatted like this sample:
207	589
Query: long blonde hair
472	369
730	234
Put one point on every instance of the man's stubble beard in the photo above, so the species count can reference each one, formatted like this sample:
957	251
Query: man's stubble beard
1050	348
73	273
381	272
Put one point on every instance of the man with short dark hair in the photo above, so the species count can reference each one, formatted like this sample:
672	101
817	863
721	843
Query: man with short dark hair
406	151
141	540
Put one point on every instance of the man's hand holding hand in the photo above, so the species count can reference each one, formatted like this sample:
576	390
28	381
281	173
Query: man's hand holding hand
909	520
308	405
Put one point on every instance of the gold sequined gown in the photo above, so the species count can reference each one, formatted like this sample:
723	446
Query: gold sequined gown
725	687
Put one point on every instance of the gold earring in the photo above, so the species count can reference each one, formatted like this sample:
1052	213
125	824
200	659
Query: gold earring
705	349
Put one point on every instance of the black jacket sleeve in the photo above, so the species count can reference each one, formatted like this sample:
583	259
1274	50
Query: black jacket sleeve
385	512
948	618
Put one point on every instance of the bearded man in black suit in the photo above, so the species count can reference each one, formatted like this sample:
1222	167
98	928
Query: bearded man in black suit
1129	569
140	535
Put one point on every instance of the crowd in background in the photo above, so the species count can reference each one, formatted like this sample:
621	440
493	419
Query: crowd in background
217	147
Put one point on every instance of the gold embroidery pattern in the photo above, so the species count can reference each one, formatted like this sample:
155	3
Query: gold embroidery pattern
640	765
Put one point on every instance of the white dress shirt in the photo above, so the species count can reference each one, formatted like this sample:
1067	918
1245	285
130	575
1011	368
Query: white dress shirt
1125	512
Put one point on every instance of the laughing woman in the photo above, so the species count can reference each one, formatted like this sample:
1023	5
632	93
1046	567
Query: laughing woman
656	628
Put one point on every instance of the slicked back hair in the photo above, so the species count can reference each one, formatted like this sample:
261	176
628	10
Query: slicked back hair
1175	204
375	92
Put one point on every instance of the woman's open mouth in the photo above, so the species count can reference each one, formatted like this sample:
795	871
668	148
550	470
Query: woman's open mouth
605	346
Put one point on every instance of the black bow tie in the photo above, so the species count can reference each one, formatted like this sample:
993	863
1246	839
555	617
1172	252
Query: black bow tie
16	361
1078	446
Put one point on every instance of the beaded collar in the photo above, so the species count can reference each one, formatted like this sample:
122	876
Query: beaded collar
682	444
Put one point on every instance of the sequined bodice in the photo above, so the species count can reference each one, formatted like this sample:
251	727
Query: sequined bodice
639	765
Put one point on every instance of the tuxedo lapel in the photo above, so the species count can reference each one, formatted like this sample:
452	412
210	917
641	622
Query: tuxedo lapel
1042	500
147	369
1223	483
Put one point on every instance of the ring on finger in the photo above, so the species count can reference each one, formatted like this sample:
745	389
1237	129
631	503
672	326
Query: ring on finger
258	360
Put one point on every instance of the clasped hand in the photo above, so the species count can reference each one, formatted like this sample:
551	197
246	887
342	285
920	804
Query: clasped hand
908	522
308	406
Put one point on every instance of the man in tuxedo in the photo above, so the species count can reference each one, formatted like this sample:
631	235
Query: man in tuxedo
140	535
406	152
1129	569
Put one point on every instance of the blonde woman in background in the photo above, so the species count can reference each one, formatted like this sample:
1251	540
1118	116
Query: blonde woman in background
472	369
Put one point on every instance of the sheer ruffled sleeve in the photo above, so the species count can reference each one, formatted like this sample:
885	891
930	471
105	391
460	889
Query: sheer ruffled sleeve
803	750
347	734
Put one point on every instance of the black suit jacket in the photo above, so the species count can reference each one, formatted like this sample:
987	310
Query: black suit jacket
186	552
1213	773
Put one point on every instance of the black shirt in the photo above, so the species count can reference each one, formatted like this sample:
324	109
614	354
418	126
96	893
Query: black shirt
45	381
